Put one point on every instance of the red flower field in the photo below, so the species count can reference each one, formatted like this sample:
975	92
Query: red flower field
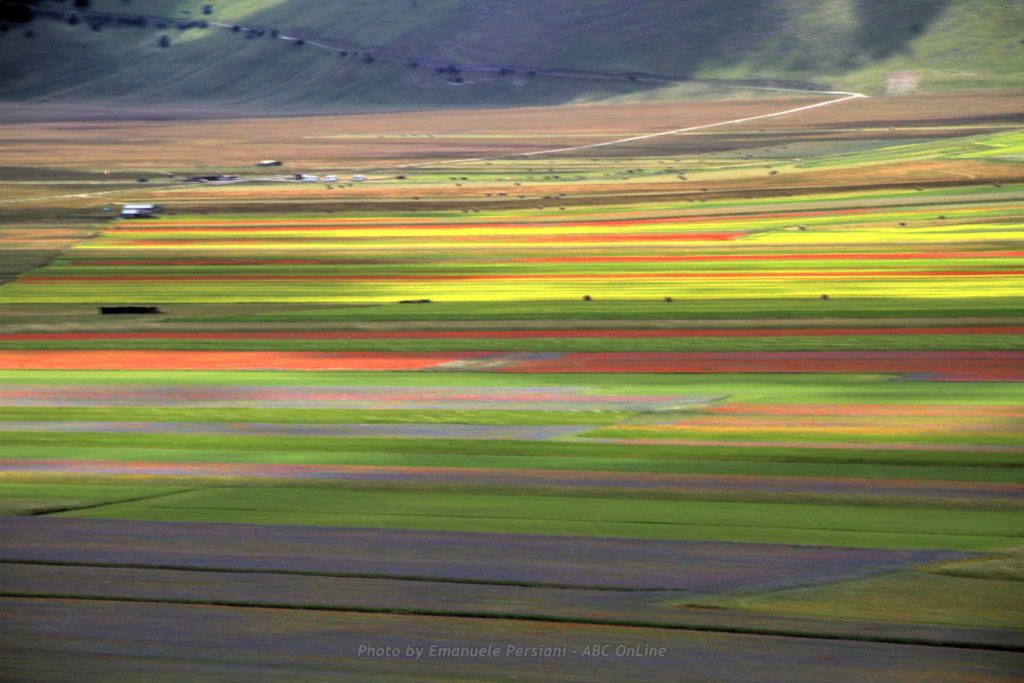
224	360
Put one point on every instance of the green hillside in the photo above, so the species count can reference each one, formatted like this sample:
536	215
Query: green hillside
388	52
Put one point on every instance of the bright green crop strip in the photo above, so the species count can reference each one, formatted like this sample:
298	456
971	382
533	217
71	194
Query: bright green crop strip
1000	145
363	455
970	147
836	389
930	342
850	526
326	450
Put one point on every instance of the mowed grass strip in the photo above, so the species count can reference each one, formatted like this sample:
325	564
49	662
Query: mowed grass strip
835	525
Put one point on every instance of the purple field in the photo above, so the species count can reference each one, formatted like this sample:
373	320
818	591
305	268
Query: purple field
103	640
695	567
358	397
419	431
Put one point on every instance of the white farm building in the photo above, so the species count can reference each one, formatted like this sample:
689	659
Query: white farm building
140	210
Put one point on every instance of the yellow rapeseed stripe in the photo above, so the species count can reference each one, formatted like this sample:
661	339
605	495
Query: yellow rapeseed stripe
873	236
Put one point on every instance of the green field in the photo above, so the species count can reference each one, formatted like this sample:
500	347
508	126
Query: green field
650	519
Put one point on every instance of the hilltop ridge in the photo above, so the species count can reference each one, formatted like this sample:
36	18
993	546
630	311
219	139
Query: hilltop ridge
312	54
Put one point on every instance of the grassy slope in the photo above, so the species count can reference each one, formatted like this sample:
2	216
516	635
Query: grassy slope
956	43
907	597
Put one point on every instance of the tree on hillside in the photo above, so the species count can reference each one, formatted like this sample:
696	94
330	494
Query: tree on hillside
17	11
165	41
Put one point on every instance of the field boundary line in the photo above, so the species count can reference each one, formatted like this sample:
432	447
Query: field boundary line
342	575
545	618
56	509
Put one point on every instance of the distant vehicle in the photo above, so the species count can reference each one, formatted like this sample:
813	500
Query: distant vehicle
359	179
140	210
330	178
309	178
270	162
143	180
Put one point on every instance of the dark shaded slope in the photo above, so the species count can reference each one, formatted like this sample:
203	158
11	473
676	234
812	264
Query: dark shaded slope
312	54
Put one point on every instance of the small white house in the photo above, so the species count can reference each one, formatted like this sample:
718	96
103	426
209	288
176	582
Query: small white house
359	179
310	178
330	178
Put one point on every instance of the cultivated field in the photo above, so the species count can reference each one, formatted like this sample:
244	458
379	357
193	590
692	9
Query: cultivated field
752	395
